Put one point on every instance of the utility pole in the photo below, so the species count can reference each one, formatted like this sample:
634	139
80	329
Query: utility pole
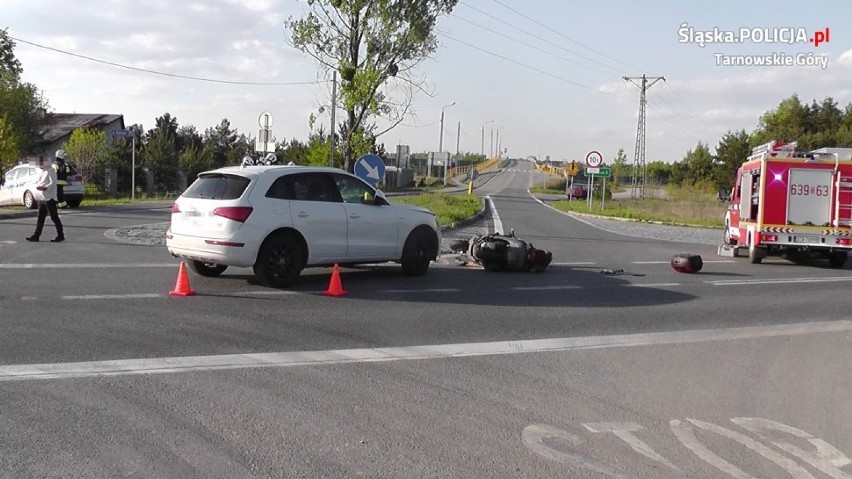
458	138
482	147
497	143
333	108
639	169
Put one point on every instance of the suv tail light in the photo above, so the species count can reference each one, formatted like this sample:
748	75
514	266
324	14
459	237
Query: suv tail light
175	208
235	213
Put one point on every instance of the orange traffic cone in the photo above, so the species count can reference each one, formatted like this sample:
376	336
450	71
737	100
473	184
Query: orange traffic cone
182	286
334	286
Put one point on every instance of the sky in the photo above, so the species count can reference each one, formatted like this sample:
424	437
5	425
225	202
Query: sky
545	77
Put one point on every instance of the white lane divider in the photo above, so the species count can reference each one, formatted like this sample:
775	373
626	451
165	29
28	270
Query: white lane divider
111	296
743	282
127	367
498	224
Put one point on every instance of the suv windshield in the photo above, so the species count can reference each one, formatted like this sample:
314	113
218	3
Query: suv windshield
217	186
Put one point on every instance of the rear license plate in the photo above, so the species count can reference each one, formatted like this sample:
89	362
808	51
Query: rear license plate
806	239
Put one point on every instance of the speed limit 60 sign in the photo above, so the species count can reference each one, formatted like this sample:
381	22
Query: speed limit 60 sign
594	159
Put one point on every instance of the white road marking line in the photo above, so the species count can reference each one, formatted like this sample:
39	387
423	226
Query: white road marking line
651	285
669	262
542	288
263	293
498	225
743	282
85	265
575	263
127	367
112	296
433	290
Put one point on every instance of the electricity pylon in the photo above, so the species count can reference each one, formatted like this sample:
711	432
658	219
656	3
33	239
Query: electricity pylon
639	154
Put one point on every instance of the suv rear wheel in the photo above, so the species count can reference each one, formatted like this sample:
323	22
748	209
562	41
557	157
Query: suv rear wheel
280	261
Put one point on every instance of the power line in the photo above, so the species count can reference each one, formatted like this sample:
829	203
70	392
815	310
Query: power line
172	75
566	37
541	38
531	68
534	47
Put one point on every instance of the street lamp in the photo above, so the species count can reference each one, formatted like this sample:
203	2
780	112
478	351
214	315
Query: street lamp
482	148
441	141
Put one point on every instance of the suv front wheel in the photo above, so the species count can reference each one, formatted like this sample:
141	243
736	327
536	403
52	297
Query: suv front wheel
418	252
280	261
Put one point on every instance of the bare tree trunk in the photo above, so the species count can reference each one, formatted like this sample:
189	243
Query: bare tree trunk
348	161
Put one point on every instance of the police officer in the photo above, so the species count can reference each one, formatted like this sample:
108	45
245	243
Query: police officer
61	177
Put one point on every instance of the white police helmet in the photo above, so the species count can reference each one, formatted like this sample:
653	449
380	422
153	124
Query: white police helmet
60	154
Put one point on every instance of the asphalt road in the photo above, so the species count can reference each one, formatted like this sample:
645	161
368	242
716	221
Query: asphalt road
738	371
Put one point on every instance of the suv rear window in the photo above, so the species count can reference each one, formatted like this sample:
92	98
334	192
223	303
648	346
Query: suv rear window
217	187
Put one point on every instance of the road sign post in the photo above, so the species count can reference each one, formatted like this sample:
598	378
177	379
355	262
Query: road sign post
598	172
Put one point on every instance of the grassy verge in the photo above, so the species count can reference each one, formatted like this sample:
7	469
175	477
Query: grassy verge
447	208
698	212
104	201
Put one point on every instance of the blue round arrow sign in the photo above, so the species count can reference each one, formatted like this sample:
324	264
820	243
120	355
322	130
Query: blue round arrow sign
370	168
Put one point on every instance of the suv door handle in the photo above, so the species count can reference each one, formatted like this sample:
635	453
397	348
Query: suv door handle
303	214
354	216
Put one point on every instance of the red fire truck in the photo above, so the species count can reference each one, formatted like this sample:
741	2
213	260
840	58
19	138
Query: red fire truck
788	204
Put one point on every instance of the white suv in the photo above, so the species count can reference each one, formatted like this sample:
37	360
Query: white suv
281	219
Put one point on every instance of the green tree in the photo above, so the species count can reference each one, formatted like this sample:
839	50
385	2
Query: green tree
659	172
731	152
786	123
241	147
88	149
23	109
193	160
160	155
368	42
696	167
219	140
619	166
317	151
9	144
10	66
294	151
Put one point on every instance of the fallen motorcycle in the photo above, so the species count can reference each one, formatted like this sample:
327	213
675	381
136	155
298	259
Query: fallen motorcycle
498	252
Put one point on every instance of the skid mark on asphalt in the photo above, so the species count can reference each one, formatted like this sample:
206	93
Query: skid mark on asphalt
128	367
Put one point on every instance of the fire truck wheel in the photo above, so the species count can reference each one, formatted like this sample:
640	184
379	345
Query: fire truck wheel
687	263
754	256
837	259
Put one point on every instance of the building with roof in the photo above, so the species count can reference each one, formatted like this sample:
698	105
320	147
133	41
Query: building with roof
58	127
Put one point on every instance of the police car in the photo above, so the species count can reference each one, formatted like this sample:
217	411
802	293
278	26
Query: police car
19	186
